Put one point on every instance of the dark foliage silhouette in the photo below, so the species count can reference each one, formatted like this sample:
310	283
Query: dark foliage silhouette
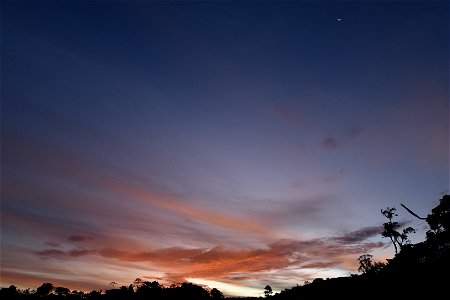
367	265
139	290
398	239
216	294
62	291
44	289
439	219
268	291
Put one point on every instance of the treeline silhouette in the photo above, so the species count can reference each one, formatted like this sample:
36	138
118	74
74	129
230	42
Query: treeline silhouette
139	290
416	270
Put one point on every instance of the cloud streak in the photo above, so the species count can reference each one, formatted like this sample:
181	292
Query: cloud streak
359	235
44	158
79	238
220	263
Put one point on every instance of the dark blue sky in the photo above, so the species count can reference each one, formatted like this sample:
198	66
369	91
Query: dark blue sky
144	127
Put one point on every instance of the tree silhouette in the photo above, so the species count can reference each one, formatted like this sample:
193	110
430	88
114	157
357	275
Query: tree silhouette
365	263
439	219
45	289
94	295
62	291
186	290
397	238
9	293
149	290
268	290
216	294
138	282
78	294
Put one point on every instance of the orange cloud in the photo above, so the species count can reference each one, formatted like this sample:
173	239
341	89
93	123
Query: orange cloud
279	263
220	262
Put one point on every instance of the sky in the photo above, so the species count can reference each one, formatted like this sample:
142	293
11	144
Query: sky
230	144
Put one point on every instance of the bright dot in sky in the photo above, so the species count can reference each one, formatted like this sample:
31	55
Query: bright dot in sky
339	19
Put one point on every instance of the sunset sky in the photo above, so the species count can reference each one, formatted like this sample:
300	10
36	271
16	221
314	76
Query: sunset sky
231	144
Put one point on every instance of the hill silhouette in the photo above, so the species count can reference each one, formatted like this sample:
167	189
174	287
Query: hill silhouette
416	270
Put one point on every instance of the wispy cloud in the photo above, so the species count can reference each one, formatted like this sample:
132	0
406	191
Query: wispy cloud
56	253
353	132
79	238
359	235
287	116
329	143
